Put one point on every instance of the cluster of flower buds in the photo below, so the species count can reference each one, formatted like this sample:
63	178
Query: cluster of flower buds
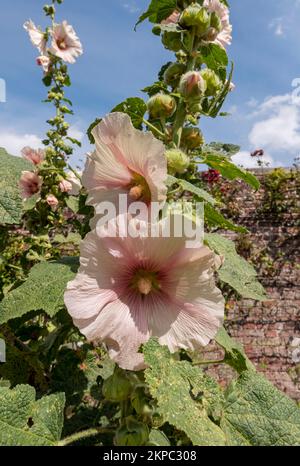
211	176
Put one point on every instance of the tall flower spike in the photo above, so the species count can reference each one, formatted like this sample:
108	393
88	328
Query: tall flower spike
65	43
129	289
126	161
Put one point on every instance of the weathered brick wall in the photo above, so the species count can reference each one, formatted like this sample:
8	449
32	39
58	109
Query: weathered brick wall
268	330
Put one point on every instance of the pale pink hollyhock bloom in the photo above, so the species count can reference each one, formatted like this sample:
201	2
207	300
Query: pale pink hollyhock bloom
52	200
172	19
65	43
126	161
65	186
224	37
75	182
130	289
44	61
37	36
35	156
30	183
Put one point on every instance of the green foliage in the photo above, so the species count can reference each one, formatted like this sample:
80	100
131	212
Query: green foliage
256	413
11	206
43	290
25	421
135	107
175	385
234	352
236	271
227	169
191	188
158	10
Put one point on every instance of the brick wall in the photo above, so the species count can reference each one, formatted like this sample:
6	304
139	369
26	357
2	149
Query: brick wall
268	330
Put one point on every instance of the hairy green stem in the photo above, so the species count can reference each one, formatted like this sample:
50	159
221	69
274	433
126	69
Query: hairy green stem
82	435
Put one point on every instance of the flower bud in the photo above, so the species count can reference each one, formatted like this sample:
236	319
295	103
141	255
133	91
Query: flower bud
192	138
215	22
172	41
173	74
161	106
177	161
197	17
132	433
213	82
117	387
192	85
52	201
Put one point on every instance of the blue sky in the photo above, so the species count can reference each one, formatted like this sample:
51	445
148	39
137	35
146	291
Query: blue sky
117	62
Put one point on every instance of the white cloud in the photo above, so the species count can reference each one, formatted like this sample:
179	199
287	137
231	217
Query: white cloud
244	159
276	25
279	126
14	142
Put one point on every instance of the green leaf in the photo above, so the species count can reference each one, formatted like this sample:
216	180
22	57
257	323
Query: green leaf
90	129
227	169
11	206
234	352
258	414
236	271
184	395
43	290
199	192
158	439
135	107
157	11
186	186
73	203
26	422
214	218
214	56
157	87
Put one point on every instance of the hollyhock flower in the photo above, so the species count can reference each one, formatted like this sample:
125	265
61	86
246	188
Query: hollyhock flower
35	156
130	289
37	36
223	37
126	161
172	19
51	200
30	183
65	186
44	61
65	43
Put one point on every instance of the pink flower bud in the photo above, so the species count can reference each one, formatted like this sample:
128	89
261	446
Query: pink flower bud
34	156
43	61
30	183
65	186
192	85
51	200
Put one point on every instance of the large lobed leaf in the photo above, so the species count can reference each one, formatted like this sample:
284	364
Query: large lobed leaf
175	385
158	10
236	271
27	422
11	206
234	352
256	413
43	290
